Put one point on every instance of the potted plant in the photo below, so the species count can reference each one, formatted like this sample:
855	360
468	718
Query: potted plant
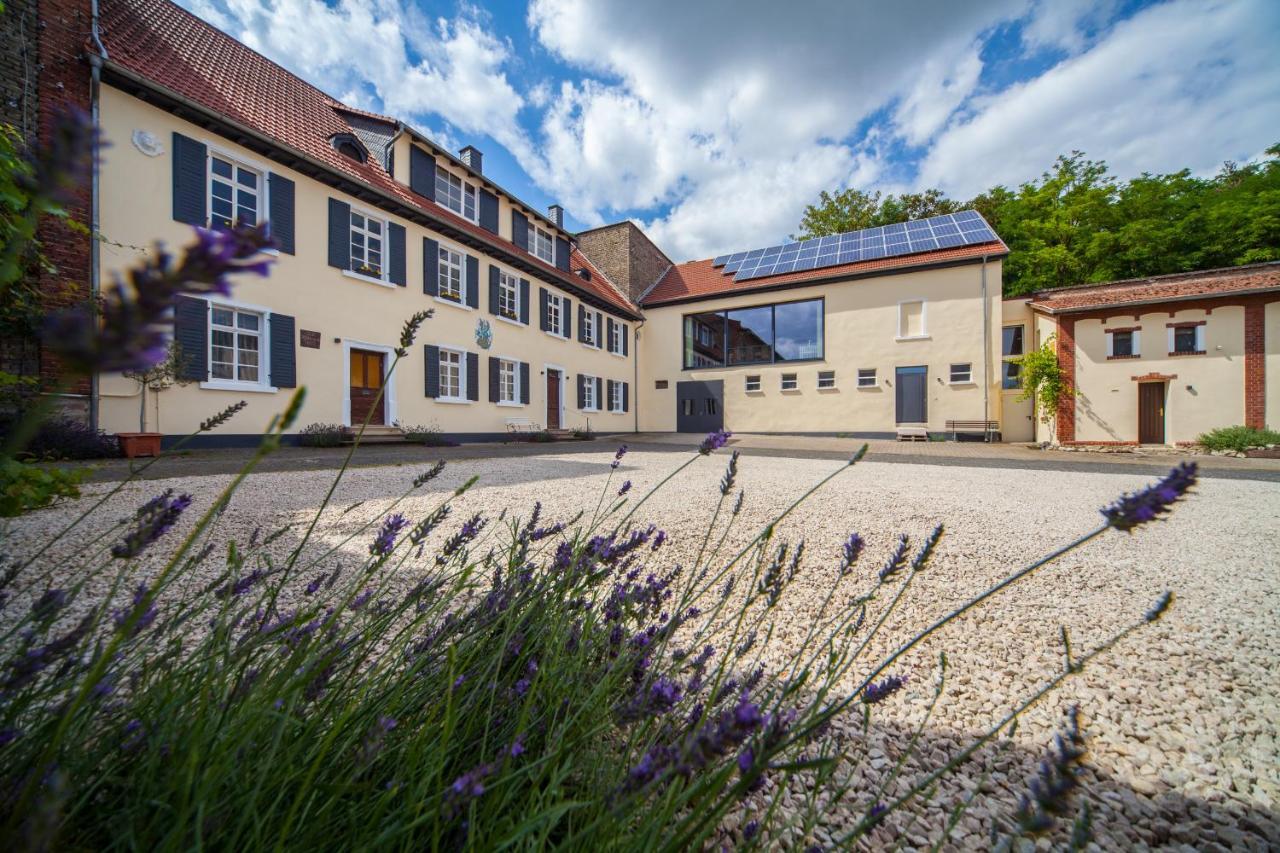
161	375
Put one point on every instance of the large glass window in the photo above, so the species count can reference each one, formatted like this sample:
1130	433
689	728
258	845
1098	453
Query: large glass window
703	340
750	332
761	334
797	330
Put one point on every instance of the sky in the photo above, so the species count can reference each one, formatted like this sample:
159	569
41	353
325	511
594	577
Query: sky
713	123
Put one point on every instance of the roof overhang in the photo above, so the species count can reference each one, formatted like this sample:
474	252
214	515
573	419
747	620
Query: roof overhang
1044	308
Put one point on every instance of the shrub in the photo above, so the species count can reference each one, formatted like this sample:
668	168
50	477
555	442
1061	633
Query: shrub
542	437
429	434
1238	438
322	435
66	438
583	434
26	487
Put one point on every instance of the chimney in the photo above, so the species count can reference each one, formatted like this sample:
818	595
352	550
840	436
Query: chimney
556	214
473	158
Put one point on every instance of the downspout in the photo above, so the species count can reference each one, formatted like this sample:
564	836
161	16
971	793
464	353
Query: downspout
95	260
986	353
635	380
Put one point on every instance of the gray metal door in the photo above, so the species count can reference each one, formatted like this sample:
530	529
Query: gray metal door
912	385
700	406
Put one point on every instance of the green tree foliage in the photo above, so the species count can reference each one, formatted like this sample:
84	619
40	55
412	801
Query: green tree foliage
1044	381
1078	224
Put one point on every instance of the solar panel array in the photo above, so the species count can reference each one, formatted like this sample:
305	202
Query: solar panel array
950	230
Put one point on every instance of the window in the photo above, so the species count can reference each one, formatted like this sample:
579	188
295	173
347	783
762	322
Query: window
789	382
456	194
555	314
591	328
508	296
1122	343
366	245
615	396
961	373
866	377
911	319
1011	347
508	381
763	334
235	193
826	379
753	384
451	378
235	345
615	337
450	276
589	401
541	244
1186	340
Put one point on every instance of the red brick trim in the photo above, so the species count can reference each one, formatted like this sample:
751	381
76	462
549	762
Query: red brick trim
1185	324
1155	377
1066	339
1122	357
1100	443
1255	365
1123	329
1188	352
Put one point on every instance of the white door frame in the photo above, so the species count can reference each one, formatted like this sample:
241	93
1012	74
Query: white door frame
389	388
563	376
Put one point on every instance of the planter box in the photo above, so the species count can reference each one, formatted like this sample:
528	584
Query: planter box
135	444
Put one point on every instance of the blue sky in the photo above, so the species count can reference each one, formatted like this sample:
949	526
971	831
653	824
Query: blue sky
712	124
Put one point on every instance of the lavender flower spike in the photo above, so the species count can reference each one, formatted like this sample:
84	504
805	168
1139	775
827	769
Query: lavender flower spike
617	457
875	692
152	520
1136	509
714	441
851	551
626	487
385	542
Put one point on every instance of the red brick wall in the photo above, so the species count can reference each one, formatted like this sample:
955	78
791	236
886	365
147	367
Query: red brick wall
1255	364
1066	340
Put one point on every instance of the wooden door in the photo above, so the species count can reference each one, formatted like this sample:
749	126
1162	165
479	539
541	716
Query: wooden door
1151	413
553	399
366	380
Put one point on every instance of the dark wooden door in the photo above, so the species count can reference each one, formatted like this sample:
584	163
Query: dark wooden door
701	406
1151	413
912	402
366	380
553	399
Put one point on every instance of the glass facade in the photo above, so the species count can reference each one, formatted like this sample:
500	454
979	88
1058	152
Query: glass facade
761	334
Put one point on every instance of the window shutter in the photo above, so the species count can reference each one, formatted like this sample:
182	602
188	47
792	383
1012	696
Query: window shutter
283	370
1200	339
473	281
609	399
395	243
422	172
339	234
624	338
1171	335
608	338
430	266
582	323
562	253
473	376
599	394
542	306
524	382
520	229
1111	344
566	311
191	333
524	301
190	180
432	356
281	213
488	211
626	396
1137	344
493	379
493	289
582	391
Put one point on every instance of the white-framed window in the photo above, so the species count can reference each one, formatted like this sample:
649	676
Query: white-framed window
556	305
541	245
235	345
453	380
1012	345
508	381
790	382
1186	339
367	234
589	401
508	296
615	397
615	339
866	377
1124	343
235	192
961	373
752	383
591	328
451	278
911	320
826	379
456	194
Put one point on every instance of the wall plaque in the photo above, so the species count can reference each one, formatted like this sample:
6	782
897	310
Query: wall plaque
310	339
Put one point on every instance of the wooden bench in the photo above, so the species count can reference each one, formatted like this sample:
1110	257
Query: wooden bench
989	429
522	426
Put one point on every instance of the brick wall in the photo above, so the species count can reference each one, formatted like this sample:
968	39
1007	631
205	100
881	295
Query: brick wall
1255	364
18	61
1066	340
626	255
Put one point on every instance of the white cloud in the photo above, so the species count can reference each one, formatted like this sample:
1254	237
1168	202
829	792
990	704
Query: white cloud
939	90
1064	24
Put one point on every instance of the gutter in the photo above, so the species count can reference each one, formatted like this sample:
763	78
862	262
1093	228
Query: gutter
635	378
95	222
986	352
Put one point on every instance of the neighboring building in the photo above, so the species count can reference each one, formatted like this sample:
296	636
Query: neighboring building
1161	360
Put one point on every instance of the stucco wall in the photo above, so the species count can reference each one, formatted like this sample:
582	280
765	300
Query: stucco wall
1018	416
861	332
137	210
1272	361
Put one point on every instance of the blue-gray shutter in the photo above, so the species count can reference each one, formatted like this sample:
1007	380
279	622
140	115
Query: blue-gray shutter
488	211
493	289
524	301
608	401
396	270
624	338
544	324
430	266
473	376
339	234
431	356
520	229
191	333
601	404
626	396
284	361
493	379
422	172
190	180
608	337
562	253
473	281
582	323
582	391
281	213
524	382
566	314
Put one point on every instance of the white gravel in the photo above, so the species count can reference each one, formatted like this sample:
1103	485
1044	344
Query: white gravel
1181	719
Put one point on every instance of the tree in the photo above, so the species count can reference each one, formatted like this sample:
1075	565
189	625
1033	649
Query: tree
847	210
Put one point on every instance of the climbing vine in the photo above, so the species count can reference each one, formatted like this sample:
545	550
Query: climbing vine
1044	381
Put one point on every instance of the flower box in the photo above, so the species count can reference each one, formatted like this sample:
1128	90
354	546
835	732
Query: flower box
135	444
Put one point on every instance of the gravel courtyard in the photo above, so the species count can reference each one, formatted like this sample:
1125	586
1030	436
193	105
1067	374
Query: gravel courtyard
1181	719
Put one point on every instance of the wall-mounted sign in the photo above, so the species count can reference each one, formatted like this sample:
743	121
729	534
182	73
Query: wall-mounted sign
310	339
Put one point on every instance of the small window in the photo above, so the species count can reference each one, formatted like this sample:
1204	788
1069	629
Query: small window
753	384
826	379
615	338
349	146
589	401
508	296
866	377
508	381
1011	347
790	382
541	244
450	276
615	396
1186	340
235	345
452	365
366	245
235	193
961	373
1123	344
911	319
456	194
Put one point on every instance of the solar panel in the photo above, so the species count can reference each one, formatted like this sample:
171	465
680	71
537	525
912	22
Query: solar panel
966	228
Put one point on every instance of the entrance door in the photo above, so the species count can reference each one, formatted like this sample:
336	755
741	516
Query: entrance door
912	402
366	380
701	406
553	398
1151	413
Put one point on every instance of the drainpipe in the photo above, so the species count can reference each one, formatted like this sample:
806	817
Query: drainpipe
635	380
986	352
95	260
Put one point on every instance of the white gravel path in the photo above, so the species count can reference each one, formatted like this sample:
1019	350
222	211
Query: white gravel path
1181	720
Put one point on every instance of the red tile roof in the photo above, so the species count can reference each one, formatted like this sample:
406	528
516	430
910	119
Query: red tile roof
700	280
164	44
1137	291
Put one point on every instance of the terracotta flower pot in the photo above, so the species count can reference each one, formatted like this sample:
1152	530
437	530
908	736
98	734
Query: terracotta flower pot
135	444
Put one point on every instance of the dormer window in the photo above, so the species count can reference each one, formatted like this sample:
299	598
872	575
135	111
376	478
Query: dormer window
456	194
541	245
349	146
